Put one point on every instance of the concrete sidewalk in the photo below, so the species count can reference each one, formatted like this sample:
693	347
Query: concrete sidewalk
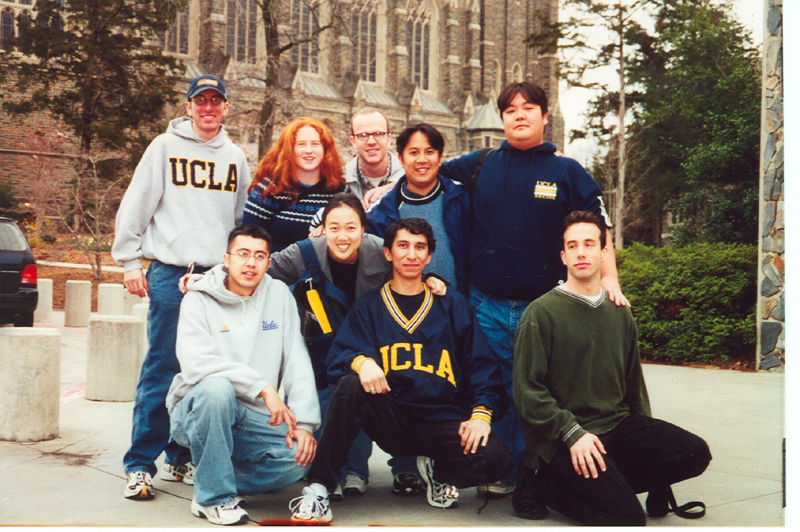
78	479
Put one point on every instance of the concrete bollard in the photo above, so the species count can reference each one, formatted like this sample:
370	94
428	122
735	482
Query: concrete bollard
77	303
140	311
114	359
44	308
29	383
131	301
110	300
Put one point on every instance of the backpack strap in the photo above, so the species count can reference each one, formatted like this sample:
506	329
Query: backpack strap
309	256
473	178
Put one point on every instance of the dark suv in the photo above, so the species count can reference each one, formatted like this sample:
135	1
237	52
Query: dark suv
18	276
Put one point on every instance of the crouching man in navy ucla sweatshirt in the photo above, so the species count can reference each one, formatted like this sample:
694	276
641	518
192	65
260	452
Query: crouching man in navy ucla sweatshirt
416	373
238	342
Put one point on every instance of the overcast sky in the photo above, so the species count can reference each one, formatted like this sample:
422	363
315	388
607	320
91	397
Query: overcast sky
574	101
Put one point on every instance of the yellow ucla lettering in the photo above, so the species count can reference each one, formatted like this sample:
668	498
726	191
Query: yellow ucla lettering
418	360
193	166
211	184
385	357
183	180
233	179
395	365
446	368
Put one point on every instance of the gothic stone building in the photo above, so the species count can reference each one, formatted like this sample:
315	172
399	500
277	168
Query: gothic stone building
441	61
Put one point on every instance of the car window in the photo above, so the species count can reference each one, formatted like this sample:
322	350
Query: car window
11	238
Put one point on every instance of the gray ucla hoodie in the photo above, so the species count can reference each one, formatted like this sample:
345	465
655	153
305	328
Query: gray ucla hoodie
251	340
184	198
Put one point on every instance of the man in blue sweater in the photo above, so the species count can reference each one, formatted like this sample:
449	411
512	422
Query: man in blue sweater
520	197
415	372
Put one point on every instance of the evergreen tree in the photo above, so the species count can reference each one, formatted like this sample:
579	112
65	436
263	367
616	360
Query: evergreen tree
95	65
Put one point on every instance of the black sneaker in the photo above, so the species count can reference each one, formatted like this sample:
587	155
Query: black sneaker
407	484
528	499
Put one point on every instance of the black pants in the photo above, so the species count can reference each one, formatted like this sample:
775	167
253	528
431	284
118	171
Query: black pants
642	454
398	434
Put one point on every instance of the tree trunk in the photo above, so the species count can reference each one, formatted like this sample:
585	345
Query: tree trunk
272	89
622	156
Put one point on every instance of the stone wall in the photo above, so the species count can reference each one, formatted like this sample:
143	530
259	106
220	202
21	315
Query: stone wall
771	351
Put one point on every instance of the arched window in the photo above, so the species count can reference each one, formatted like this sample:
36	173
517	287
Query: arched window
6	27
304	23
516	73
418	42
242	30
364	34
176	39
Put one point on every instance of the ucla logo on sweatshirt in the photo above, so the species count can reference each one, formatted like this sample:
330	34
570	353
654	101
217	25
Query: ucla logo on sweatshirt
545	190
269	325
224	329
200	174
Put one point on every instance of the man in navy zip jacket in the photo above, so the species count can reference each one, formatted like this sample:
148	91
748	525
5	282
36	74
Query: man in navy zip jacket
422	194
520	198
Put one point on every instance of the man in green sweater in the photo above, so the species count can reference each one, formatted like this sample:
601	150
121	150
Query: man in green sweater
591	443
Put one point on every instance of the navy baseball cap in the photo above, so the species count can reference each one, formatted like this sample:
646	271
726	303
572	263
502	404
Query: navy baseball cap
201	83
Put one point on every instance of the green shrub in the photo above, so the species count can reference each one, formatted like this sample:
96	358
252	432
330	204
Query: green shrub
692	303
48	239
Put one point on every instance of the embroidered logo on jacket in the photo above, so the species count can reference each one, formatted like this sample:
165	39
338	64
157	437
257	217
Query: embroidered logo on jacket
545	190
224	329
269	325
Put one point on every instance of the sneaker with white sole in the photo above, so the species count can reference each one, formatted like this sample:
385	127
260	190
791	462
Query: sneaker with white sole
182	473
407	484
229	513
140	486
354	485
495	489
440	495
310	508
337	494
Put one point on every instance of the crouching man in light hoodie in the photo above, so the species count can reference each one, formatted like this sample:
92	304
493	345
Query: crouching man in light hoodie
238	341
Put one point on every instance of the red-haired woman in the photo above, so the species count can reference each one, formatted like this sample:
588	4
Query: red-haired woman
295	179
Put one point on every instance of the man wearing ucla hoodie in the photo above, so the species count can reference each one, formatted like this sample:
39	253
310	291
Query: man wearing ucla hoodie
238	342
187	193
520	196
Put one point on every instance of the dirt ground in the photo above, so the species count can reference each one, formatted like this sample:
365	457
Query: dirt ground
60	276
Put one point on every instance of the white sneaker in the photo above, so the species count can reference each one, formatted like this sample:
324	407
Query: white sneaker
140	486
354	485
225	514
182	473
310	508
439	495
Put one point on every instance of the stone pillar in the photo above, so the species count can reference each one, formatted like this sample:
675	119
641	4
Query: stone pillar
30	359
771	347
77	303
44	308
140	311
114	359
110	300
131	301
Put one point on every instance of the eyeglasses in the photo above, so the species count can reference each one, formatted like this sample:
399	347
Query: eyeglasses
377	135
244	255
202	100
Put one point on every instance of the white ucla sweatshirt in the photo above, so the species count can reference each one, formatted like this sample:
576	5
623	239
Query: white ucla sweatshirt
184	198
251	340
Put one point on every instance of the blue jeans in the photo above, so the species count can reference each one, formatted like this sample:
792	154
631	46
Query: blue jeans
234	449
150	434
359	453
499	319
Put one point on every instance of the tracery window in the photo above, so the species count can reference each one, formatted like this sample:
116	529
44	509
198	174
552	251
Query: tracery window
242	30
418	42
364	34
10	23
304	23
176	38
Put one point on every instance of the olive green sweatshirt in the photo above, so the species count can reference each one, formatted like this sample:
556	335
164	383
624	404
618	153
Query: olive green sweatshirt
576	370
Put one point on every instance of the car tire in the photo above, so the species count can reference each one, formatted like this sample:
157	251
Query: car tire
25	319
